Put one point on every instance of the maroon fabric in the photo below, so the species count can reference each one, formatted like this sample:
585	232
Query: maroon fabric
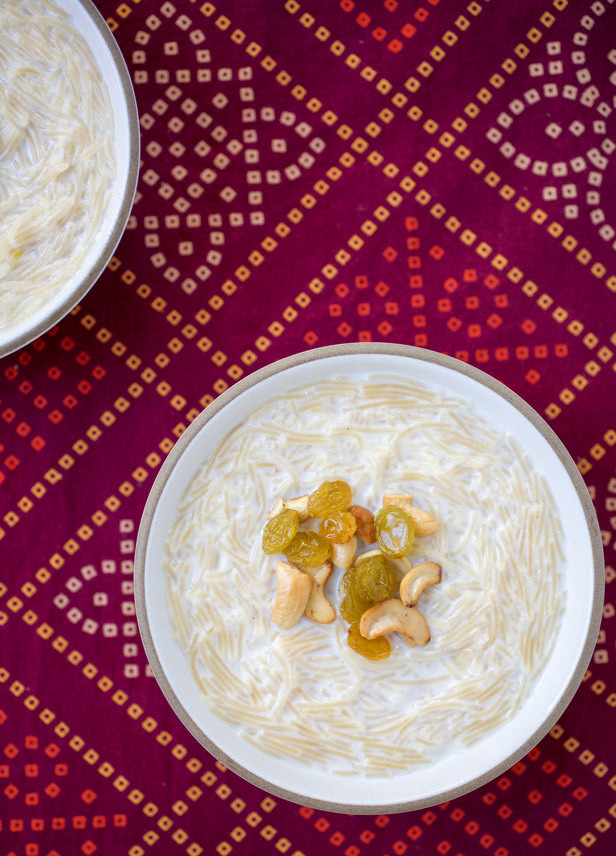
437	174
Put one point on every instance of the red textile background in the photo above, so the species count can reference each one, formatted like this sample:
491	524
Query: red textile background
433	173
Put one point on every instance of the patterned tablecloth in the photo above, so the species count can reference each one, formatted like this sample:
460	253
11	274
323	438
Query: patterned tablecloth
438	174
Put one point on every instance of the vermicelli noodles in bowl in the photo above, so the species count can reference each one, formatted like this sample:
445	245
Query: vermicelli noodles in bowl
303	693
68	144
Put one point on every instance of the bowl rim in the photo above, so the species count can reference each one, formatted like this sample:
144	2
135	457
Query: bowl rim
49	319
416	353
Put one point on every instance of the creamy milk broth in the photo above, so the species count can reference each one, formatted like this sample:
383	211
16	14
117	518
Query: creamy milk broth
303	693
56	154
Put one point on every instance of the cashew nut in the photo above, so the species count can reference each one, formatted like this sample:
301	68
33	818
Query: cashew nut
402	565
396	498
344	554
415	581
393	616
425	523
318	607
298	503
292	593
365	523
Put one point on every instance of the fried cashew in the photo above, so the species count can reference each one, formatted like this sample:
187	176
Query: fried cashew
318	608
343	555
298	503
397	498
392	616
292	593
416	580
425	522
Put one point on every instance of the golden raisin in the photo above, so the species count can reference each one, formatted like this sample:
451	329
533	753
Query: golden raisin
395	531
352	605
371	649
375	579
365	523
280	531
308	548
330	496
339	527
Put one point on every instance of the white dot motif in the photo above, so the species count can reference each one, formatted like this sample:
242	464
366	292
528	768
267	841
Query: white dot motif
223	165
575	157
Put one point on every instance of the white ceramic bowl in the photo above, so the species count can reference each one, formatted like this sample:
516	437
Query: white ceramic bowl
457	772
87	20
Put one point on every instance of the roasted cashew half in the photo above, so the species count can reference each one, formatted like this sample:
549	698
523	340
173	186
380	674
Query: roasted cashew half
318	608
415	581
292	593
392	616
